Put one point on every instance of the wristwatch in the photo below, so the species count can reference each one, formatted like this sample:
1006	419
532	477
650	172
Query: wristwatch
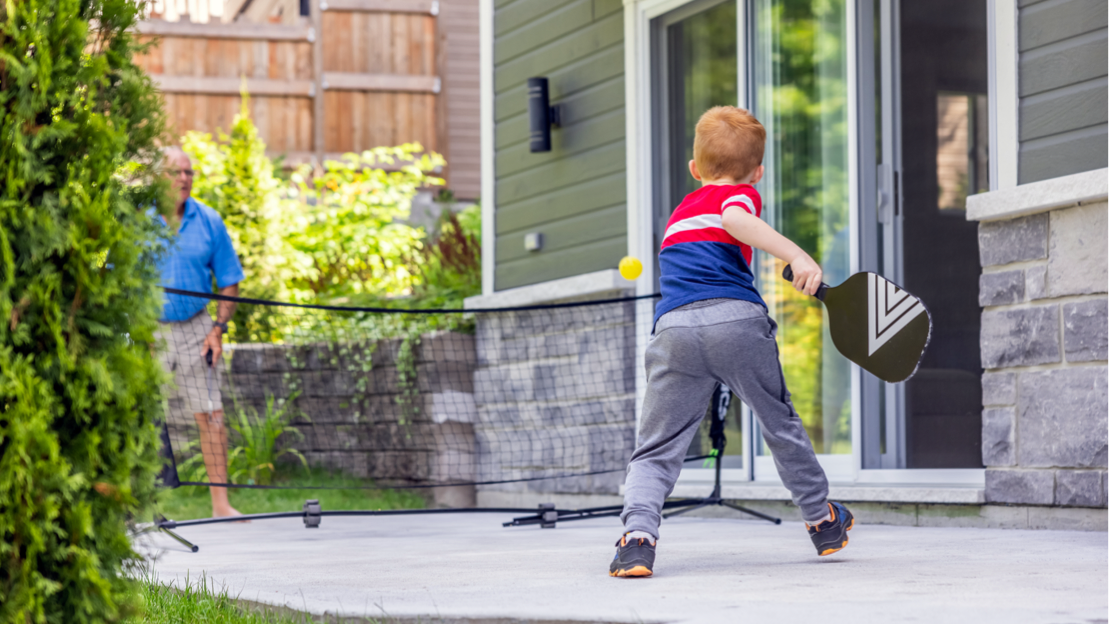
221	326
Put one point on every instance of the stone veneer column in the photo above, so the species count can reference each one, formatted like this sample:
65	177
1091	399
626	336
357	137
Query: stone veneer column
1043	292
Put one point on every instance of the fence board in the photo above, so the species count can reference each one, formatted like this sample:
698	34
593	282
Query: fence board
371	77
429	7
235	30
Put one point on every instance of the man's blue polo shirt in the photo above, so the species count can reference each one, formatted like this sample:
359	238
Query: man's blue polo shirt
202	249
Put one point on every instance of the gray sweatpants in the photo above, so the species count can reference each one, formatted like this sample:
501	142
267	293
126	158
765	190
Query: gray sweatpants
693	348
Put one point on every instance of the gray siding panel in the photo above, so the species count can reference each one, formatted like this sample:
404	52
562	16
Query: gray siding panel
520	14
1065	63
560	173
597	69
557	264
1074	152
1057	20
575	194
595	225
561	204
1062	110
573	140
1064	91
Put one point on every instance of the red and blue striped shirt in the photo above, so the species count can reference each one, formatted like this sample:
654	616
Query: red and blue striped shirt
699	260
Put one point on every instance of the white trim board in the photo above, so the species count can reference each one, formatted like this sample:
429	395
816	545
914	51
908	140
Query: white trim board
1026	199
848	492
488	151
1004	101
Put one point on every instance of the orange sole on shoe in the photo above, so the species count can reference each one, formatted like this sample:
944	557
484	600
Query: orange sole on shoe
835	550
637	571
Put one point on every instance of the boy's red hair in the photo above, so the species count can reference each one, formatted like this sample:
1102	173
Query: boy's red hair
729	143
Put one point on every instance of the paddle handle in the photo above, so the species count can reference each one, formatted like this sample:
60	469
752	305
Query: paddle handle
787	274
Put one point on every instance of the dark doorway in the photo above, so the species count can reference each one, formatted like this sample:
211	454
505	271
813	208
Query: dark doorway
943	87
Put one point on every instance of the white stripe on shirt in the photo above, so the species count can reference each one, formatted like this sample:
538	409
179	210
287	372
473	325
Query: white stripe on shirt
742	199
699	222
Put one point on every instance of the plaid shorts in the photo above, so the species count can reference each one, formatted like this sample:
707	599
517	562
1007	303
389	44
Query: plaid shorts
195	386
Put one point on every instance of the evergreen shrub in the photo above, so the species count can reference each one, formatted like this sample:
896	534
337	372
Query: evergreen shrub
78	307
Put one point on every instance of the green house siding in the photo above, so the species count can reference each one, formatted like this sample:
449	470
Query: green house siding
575	195
1063	88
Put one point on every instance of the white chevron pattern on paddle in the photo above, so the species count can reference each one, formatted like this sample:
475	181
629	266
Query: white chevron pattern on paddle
889	310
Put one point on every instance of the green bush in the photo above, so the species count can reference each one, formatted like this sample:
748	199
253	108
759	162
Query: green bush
79	307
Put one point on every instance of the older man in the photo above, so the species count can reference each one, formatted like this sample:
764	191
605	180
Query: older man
200	252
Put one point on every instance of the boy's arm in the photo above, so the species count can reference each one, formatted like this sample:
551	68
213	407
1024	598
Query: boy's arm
751	230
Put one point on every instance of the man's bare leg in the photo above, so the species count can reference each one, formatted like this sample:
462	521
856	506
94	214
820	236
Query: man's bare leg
213	444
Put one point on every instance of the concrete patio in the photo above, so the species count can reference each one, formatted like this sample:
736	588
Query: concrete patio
467	567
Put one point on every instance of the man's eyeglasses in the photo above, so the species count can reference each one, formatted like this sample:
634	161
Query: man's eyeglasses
188	173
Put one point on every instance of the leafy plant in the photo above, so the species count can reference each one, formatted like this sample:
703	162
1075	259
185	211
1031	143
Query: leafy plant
78	442
259	441
350	222
448	268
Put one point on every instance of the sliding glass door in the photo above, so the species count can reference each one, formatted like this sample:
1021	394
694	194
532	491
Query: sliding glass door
876	118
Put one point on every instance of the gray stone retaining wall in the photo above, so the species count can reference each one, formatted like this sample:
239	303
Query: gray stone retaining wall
555	394
1043	293
354	420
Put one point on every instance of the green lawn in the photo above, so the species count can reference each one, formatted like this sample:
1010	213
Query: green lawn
199	603
190	501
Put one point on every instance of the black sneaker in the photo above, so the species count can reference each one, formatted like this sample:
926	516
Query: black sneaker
831	535
633	558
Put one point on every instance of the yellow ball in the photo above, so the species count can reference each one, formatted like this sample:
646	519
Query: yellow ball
630	268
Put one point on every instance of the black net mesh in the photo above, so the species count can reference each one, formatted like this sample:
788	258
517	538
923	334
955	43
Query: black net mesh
543	396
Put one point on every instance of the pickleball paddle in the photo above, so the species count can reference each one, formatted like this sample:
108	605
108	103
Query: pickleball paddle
876	324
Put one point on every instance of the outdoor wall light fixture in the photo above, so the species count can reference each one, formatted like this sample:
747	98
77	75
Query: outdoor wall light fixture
533	241
542	115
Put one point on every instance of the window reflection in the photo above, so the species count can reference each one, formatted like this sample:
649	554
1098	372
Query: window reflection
961	141
800	71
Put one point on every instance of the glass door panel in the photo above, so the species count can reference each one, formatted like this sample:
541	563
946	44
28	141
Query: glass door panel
800	96
694	64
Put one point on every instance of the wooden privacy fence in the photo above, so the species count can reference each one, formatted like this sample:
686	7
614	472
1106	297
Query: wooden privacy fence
357	74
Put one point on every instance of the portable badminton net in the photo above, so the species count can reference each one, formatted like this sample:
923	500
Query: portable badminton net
534	399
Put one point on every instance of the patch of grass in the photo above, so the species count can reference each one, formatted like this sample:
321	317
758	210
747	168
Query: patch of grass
189	501
198	602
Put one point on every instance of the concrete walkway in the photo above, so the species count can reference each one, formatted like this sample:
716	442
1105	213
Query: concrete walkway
465	566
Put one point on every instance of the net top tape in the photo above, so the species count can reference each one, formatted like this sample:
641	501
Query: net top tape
312	306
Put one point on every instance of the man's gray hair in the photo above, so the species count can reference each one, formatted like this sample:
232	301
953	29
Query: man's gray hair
171	151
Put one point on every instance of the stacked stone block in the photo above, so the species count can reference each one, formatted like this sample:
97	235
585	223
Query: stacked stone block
355	419
1043	341
555	394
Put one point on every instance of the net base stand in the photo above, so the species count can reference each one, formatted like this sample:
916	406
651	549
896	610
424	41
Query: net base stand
184	542
548	517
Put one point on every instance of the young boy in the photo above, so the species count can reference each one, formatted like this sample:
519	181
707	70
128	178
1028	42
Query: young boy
711	326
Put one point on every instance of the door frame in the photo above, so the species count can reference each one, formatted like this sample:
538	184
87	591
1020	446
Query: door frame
863	223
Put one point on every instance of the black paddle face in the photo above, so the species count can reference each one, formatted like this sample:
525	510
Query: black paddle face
877	325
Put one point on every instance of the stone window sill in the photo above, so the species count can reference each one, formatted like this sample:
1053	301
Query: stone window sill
1026	199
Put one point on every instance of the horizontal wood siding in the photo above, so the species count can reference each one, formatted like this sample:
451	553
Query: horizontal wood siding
1063	87
574	195
459	23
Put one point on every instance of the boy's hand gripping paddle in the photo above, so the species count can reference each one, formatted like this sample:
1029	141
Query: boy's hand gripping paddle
876	324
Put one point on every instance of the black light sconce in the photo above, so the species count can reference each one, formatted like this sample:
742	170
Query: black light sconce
542	114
